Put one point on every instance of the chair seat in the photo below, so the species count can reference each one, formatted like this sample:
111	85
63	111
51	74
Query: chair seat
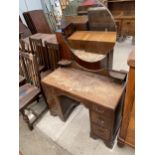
27	93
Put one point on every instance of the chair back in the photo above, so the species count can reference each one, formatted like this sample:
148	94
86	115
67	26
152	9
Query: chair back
53	51
29	69
22	46
36	46
100	19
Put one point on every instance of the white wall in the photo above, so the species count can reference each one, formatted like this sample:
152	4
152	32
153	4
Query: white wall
28	5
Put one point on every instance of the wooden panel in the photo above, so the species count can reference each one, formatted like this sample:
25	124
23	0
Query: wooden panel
23	30
131	59
64	49
36	21
126	135
83	85
130	137
124	10
93	41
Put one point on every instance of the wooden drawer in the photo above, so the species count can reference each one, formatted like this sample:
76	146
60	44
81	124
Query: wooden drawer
128	27
101	120
101	132
102	110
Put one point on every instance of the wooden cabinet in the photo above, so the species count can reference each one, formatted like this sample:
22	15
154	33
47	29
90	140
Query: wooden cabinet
127	130
124	15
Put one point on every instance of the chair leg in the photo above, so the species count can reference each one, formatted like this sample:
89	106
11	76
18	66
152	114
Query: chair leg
30	126
25	117
38	98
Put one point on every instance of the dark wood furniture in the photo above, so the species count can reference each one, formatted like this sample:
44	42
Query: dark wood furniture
30	91
36	21
23	30
123	12
37	49
51	38
102	95
53	53
41	38
127	130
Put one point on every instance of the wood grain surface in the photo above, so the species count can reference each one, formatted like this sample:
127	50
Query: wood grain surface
91	87
93	41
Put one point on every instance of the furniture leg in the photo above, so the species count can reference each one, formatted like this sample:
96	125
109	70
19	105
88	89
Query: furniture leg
25	117
110	59
92	135
120	143
109	144
56	109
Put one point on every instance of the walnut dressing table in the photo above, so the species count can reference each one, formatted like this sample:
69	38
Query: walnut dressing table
102	95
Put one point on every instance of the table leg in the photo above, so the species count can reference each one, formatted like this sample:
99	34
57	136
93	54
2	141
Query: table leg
110	59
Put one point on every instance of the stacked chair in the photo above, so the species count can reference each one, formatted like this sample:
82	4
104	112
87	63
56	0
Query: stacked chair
31	90
35	62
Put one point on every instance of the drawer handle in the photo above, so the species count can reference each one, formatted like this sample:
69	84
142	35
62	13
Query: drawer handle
128	23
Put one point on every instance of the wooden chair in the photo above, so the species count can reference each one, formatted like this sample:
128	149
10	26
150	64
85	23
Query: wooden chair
30	91
22	75
37	48
53	55
22	46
